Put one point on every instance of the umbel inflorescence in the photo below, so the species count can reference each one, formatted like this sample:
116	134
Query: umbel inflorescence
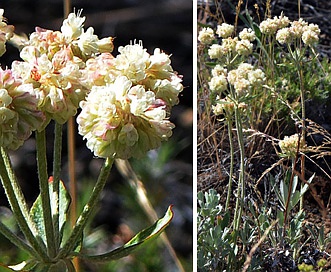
125	100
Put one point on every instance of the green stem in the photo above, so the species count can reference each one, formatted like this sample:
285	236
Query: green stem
82	220
56	181
241	179
44	192
15	201
17	241
229	121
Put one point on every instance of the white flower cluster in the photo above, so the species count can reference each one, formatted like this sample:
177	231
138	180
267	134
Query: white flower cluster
289	145
218	82
287	32
271	26
6	32
125	100
245	77
125	114
224	30
206	35
229	45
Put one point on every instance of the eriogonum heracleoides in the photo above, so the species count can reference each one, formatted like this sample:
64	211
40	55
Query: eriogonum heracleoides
120	120
19	111
6	32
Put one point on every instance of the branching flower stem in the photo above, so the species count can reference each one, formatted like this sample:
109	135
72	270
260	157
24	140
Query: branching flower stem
18	206
241	179
72	241
44	192
56	180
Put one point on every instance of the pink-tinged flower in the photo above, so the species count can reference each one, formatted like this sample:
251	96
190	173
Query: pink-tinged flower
57	82
120	120
19	111
6	33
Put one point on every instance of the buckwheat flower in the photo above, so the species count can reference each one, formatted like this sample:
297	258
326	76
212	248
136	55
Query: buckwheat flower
206	35
289	145
159	65
256	77
19	111
244	47
245	77
269	26
247	34
229	44
6	32
310	34
216	51
224	30
218	83
223	105
298	27
166	90
57	82
100	70
72	27
132	62
284	36
122	121
219	70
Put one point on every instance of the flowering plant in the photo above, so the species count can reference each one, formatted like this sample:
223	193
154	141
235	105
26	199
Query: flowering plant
125	103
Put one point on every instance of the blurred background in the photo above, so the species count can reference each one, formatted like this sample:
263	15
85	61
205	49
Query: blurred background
166	172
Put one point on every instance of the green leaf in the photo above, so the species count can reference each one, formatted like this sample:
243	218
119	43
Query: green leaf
138	240
36	211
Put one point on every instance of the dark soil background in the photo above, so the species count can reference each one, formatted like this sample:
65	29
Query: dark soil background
164	24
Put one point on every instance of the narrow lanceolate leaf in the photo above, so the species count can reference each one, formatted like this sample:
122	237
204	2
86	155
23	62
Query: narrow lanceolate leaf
36	211
136	242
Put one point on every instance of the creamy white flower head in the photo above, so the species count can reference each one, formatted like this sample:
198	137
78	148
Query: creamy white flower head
310	36
289	145
159	65
244	47
216	51
298	27
218	83
247	34
245	77
284	36
122	121
132	62
219	70
6	32
19	111
72	27
224	30
206	35
88	42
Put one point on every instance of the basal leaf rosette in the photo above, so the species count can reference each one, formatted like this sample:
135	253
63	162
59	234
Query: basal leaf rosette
122	120
18	110
141	68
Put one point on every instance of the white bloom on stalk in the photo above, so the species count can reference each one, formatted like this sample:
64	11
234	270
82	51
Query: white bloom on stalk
122	121
310	36
18	110
245	77
224	30
206	35
218	83
247	34
244	47
6	32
